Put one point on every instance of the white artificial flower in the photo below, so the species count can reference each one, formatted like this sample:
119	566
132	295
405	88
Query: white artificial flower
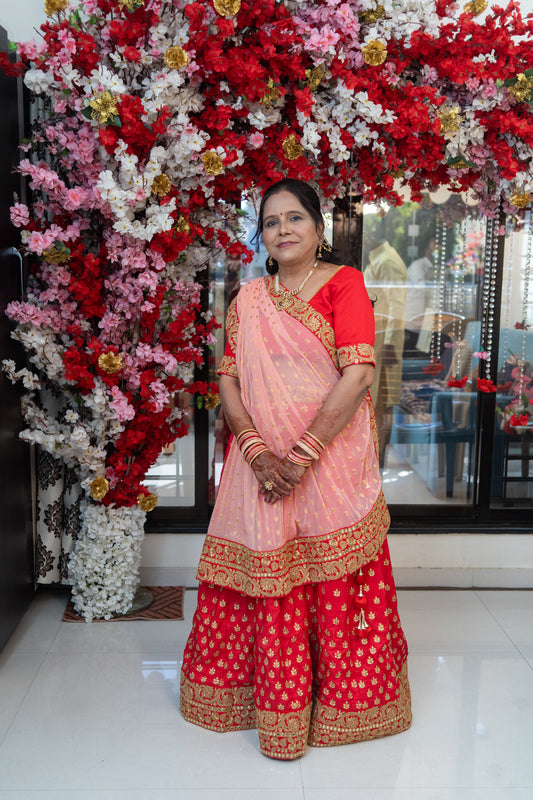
38	81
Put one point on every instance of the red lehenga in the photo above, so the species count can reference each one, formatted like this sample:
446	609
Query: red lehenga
297	630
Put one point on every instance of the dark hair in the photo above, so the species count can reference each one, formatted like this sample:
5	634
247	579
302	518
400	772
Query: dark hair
307	197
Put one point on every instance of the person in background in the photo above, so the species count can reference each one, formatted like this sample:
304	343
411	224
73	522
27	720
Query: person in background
386	279
419	299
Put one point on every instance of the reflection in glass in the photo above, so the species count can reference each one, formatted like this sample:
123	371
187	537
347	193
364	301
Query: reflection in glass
423	269
512	478
172	476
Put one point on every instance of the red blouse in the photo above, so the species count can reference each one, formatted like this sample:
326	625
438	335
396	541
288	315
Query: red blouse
344	303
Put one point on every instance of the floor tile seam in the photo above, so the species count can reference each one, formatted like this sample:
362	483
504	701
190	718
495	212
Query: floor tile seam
157	655
496	620
409	787
23	699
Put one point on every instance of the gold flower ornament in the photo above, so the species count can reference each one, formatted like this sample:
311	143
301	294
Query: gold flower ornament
147	502
374	53
176	57
227	8
111	363
292	147
99	488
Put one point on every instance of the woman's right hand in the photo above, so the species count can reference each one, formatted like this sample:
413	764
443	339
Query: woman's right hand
269	468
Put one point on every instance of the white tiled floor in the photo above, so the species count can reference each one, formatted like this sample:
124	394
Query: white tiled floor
90	713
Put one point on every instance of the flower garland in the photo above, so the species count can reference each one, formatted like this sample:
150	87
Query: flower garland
157	116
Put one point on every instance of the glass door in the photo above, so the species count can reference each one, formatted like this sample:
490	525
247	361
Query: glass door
423	269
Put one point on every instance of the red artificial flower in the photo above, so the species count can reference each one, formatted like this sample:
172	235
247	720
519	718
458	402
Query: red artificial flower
11	68
77	370
434	368
109	138
485	385
504	387
458	382
519	421
131	53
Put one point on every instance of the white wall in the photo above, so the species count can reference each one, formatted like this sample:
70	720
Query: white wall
454	560
21	17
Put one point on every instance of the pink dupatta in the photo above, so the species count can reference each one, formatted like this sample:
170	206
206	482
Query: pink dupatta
337	519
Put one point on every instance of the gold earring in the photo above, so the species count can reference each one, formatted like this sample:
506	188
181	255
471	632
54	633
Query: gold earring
270	261
323	243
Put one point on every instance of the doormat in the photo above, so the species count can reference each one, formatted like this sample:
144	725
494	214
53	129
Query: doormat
167	604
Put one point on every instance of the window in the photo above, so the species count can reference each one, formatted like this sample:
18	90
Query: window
448	452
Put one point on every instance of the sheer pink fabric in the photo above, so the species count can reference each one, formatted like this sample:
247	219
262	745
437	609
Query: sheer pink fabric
285	374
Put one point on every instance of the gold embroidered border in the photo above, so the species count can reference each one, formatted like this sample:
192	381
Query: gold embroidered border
303	560
356	354
330	726
311	319
284	735
226	709
228	366
373	422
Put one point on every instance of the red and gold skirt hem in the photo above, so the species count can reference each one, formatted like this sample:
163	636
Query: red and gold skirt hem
325	664
285	735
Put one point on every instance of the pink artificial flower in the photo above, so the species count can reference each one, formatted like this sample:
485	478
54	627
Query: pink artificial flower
256	139
74	199
39	242
489	89
20	215
122	409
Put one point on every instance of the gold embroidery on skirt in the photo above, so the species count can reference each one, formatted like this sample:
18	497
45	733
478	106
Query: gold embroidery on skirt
331	726
217	709
286	734
304	560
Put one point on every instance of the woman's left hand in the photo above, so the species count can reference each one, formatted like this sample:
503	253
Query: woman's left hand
293	474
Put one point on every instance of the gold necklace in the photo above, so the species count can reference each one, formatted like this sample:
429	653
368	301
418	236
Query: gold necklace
285	295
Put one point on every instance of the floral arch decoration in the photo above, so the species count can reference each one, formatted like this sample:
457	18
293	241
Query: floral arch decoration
158	115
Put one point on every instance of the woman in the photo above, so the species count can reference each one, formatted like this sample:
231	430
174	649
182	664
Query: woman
296	630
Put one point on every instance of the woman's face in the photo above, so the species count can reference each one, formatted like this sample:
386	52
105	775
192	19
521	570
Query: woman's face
289	232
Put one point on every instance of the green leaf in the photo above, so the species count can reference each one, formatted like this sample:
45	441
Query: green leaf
199	402
87	112
12	47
